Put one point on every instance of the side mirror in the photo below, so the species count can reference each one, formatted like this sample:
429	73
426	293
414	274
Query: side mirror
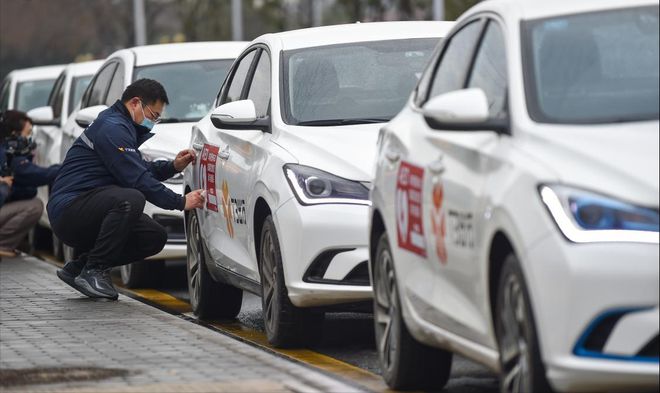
43	116
239	115
86	116
462	110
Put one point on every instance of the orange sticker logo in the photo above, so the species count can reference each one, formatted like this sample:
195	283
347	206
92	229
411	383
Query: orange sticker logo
438	223
226	208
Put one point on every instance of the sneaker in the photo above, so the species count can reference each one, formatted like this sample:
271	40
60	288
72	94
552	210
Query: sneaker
95	281
71	270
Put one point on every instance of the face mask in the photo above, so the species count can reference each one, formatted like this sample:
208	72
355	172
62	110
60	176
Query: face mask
146	122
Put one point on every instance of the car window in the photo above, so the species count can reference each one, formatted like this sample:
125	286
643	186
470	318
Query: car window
452	70
4	95
32	94
357	82
489	70
260	87
191	86
238	79
56	98
100	87
78	86
116	86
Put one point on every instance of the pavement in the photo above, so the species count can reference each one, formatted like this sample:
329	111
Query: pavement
54	339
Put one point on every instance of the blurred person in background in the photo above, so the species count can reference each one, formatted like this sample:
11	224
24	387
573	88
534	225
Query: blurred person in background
97	201
19	208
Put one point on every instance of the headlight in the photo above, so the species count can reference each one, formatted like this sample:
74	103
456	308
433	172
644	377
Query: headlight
313	186
585	217
153	156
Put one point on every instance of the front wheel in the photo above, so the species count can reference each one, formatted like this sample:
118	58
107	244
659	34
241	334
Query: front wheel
405	362
286	325
209	299
520	358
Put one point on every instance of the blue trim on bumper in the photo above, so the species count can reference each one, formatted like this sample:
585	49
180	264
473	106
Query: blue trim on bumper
580	350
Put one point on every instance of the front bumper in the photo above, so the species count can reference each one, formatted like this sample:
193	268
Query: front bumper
596	311
324	253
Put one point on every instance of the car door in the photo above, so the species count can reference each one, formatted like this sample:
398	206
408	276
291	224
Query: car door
217	218
456	197
244	160
48	138
410	180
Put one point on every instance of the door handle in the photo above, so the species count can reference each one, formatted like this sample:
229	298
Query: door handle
224	154
197	146
392	156
437	167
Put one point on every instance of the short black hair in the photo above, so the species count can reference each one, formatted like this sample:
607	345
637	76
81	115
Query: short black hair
148	90
13	121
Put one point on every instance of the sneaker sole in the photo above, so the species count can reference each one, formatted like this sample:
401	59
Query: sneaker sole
83	287
71	281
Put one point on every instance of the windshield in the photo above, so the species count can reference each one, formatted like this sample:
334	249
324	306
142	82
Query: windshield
78	86
354	83
594	67
33	94
191	86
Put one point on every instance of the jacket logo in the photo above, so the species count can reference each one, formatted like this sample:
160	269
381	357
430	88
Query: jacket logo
126	149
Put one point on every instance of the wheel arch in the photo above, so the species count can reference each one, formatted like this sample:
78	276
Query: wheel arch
501	246
261	211
376	229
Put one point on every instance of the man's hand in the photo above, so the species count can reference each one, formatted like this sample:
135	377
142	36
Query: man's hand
7	179
194	200
184	158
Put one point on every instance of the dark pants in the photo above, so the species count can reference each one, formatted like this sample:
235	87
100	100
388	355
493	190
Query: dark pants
107	227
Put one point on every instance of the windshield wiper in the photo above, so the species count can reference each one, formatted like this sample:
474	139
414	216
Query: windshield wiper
342	122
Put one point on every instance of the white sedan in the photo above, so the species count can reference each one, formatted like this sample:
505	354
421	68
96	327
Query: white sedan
514	213
191	74
286	159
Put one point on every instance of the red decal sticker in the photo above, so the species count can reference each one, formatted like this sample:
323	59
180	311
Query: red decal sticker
438	223
410	229
207	175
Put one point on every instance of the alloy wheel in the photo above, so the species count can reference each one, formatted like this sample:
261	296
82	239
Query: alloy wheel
386	309
193	260
269	278
514	346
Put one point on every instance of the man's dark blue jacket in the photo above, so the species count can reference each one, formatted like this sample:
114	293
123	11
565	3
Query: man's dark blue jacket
27	175
105	154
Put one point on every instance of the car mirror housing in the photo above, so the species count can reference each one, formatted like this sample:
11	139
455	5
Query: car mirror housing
239	115
462	110
42	116
86	116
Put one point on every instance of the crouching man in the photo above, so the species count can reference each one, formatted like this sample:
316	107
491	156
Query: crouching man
97	200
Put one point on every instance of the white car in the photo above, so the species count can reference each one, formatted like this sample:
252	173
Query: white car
286	159
49	120
28	88
191	74
514	214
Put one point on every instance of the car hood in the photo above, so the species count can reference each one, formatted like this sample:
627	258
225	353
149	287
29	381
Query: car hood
169	138
345	151
621	160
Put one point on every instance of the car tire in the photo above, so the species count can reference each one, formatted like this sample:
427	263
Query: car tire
69	253
57	247
209	299
142	274
516	333
286	325
405	363
38	239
